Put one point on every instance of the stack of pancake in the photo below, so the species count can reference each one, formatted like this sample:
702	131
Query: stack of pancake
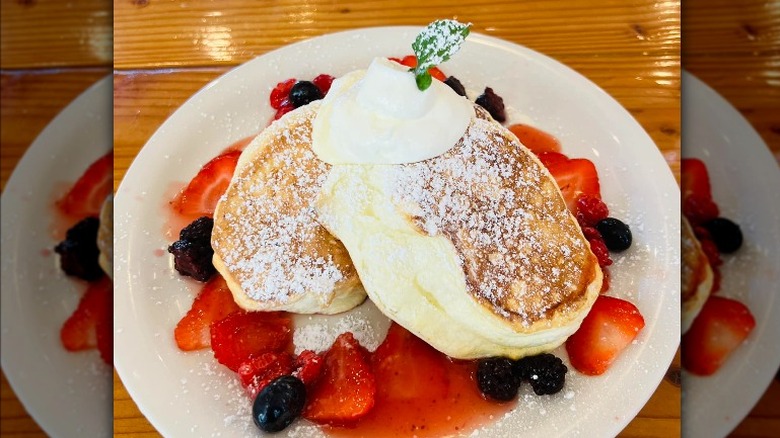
696	276
474	251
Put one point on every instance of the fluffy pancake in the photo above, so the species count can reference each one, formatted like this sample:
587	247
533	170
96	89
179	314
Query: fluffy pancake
267	242
105	238
474	251
696	276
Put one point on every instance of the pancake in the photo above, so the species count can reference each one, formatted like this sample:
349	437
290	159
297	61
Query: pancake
474	250
268	245
105	238
696	275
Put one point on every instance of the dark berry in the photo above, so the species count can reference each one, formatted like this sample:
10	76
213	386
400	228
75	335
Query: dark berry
615	233
279	404
601	252
590	210
455	84
192	253
493	103
323	82
725	233
545	372
303	93
496	378
79	251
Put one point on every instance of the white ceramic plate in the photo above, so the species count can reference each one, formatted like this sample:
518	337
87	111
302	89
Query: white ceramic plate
68	394
745	179
183	393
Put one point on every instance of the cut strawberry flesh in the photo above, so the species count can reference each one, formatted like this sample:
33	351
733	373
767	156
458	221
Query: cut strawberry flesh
610	326
86	197
80	330
695	179
244	335
201	195
346	390
399	378
576	177
213	303
721	326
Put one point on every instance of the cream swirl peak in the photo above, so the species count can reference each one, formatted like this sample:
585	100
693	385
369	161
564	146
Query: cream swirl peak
379	116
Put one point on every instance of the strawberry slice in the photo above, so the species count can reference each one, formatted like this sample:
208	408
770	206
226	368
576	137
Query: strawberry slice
201	195
79	332
259	371
609	327
550	158
399	378
576	177
347	388
534	139
695	179
411	62
86	197
213	303
243	335
721	327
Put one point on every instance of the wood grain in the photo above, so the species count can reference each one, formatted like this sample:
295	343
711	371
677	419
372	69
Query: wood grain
16	422
631	49
55	33
150	33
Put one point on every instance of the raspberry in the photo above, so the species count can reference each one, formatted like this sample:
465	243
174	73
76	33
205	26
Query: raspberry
599	248
283	110
308	367
590	210
280	93
591	233
699	209
259	371
711	251
701	233
323	82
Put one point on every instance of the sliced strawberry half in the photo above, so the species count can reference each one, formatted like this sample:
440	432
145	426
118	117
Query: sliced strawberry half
721	326
213	303
259	371
534	139
86	197
347	388
406	368
610	326
79	332
244	335
411	62
695	178
201	195
576	177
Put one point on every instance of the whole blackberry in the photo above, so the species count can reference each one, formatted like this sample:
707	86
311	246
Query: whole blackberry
456	86
545	372
192	253
79	251
493	103
496	378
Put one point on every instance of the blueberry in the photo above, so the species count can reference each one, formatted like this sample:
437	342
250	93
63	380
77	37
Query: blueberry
303	93
615	233
725	233
496	378
279	404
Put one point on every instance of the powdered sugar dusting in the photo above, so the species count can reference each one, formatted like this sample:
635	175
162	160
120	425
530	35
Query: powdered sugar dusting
265	229
521	251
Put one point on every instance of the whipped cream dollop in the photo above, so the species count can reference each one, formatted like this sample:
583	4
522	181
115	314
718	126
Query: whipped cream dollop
379	116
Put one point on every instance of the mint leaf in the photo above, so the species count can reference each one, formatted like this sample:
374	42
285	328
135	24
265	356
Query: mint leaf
423	81
435	45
